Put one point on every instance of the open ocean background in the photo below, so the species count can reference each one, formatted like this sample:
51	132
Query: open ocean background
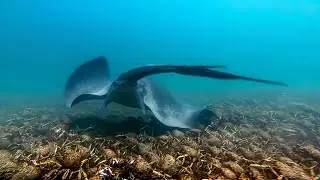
41	42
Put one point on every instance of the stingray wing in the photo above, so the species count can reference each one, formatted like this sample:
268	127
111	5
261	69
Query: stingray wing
88	82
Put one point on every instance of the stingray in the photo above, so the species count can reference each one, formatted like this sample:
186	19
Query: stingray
136	89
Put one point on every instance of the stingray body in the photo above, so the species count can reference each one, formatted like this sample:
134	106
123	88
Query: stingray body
135	89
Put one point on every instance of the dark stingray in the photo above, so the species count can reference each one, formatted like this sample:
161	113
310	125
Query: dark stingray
135	89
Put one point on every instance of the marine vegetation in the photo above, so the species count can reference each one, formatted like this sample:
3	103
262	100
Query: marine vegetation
254	138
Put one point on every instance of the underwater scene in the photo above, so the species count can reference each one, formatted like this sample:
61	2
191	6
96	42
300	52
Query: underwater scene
164	89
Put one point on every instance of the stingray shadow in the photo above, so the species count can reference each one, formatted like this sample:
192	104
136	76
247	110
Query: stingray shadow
128	125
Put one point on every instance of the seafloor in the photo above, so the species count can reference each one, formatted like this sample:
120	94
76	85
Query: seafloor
269	137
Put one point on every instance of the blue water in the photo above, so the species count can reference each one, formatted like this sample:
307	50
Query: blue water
41	42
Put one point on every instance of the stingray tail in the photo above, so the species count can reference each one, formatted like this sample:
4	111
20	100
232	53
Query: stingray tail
210	67
224	75
204	71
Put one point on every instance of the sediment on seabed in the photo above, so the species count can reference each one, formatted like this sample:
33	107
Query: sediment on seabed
253	139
